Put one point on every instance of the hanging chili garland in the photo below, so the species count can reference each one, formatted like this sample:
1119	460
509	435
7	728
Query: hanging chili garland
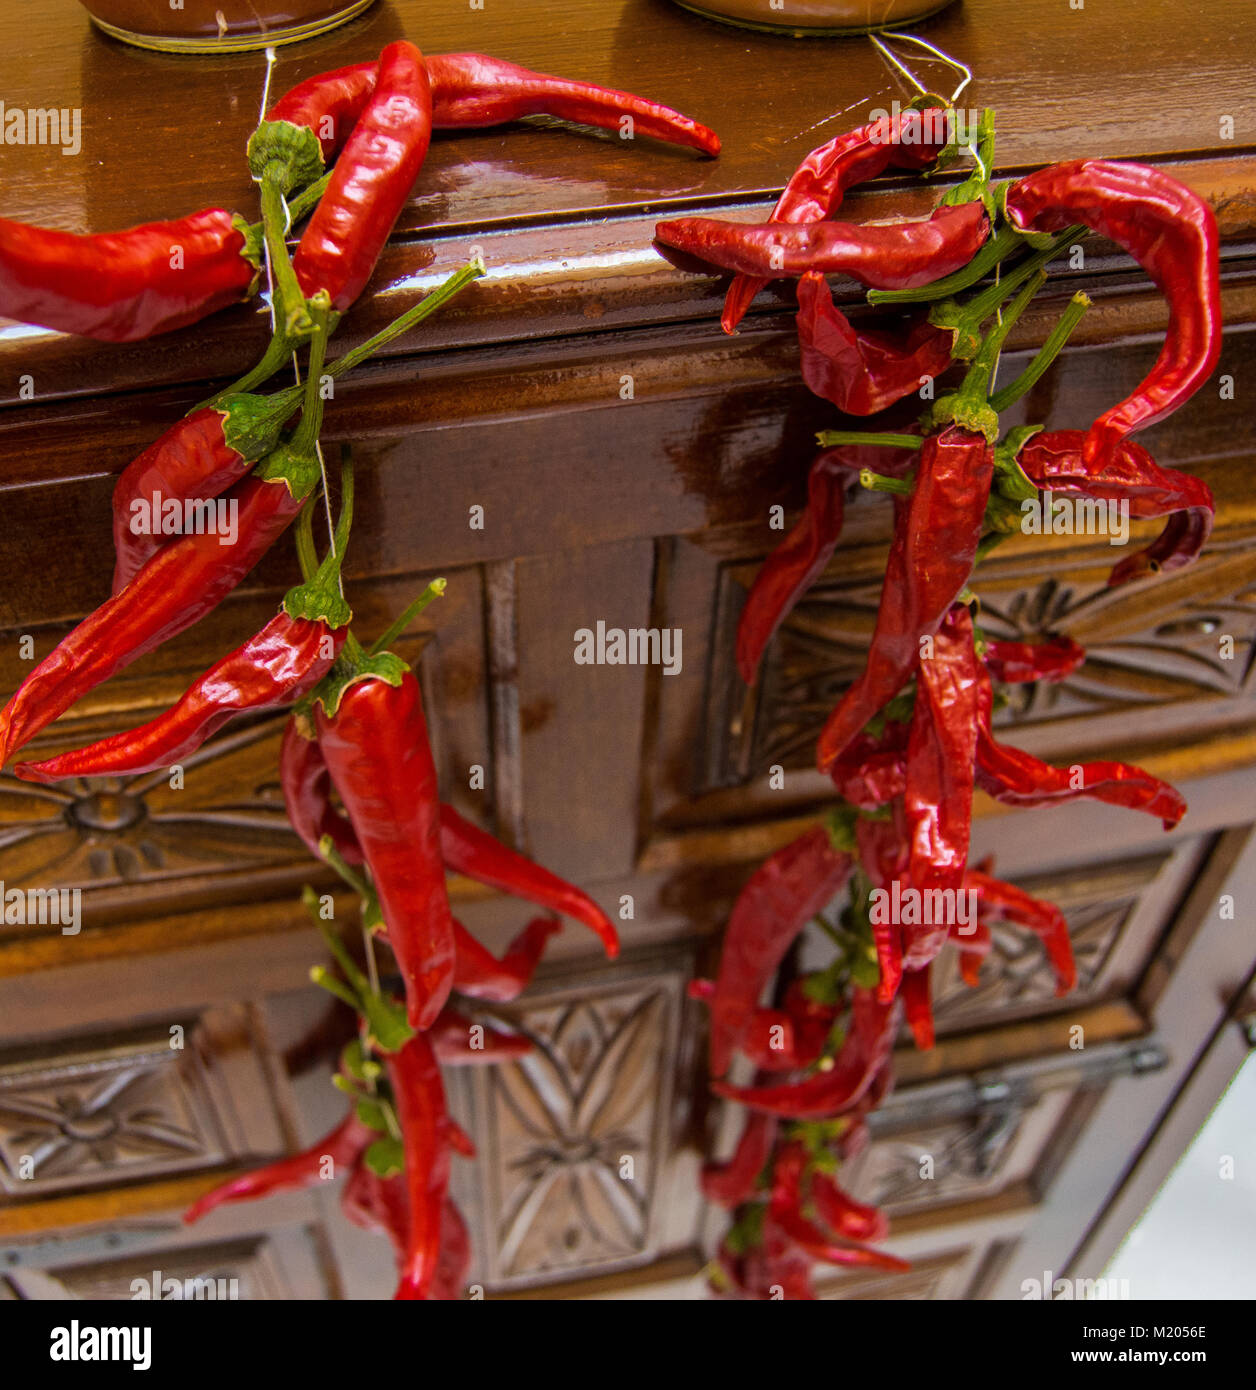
911	739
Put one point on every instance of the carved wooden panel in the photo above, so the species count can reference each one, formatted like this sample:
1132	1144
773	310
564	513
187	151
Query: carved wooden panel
938	1162
82	1115
573	1138
1147	646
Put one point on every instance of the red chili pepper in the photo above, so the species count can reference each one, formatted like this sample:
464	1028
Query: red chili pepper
377	750
1007	903
481	975
777	1039
930	560
178	585
455	1255
371	181
124	286
341	1148
918	1006
474	852
732	1183
420	1101
862	371
785	1208
777	1268
883	851
470	90
846	1217
816	188
800	559
377	1204
975	943
1172	233
1126	473
938	798
284	661
872	770
880	255
778	901
830	1092
453	1039
1017	778
465	848
1017	663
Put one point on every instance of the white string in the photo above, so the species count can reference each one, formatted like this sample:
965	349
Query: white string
953	63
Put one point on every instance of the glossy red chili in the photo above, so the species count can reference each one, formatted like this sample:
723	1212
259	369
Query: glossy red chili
1004	902
459	1042
481	975
419	1098
1172	233
1018	663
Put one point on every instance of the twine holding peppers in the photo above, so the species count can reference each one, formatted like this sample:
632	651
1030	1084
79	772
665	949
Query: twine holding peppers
911	739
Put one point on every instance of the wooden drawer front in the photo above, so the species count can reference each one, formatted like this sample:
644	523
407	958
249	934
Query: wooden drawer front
575	1140
89	1114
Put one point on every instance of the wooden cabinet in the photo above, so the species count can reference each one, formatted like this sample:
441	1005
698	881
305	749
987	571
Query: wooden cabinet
625	455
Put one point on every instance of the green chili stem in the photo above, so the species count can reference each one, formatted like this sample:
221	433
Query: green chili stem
427	306
829	439
436	589
981	306
305	201
830	931
976	384
306	434
292	316
307	556
333	858
998	248
1045	355
879	482
323	977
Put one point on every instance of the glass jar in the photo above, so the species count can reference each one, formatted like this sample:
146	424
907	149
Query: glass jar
815	18
218	26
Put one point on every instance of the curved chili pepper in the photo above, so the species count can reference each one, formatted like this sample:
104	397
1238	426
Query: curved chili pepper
731	1183
785	1209
787	890
471	91
827	1093
419	1098
930	560
377	750
975	944
371	181
1018	663
800	559
455	1255
777	1268
1172	233
938	798
880	255
843	1215
451	1038
343	1146
465	848
124	286
1126	473
816	188
481	975
872	769
1007	903
777	1039
180	584
473	852
862	371
284	661
883	851
1016	778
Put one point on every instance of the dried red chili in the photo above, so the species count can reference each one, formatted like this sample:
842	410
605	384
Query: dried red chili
910	140
371	181
1125	473
124	286
732	1183
1004	902
883	255
457	1043
1017	663
778	901
481	975
1172	233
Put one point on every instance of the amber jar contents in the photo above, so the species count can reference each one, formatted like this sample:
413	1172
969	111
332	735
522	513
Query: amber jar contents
805	18
219	26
